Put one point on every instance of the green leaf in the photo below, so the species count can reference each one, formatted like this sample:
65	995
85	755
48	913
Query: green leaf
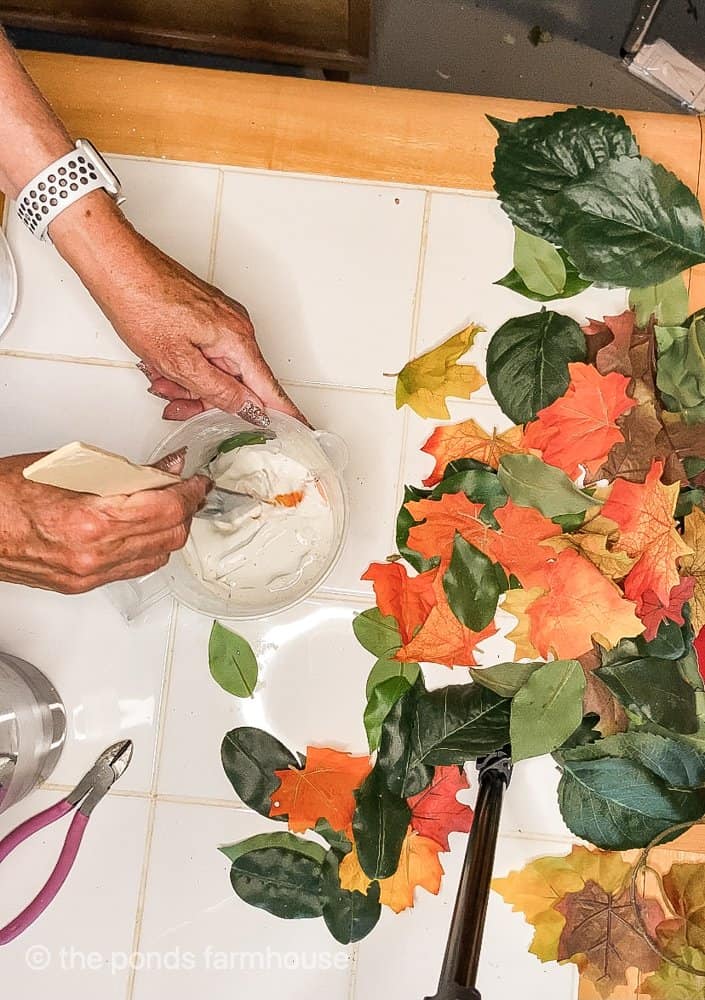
349	916
505	679
250	757
569	522
384	669
690	496
282	881
377	633
478	485
670	982
574	284
527	362
405	523
667	302
669	643
338	841
243	439
547	709
538	264
532	483
619	804
536	157
281	840
630	223
450	725
680	766
232	662
585	734
379	826
471	585
383	697
680	369
653	690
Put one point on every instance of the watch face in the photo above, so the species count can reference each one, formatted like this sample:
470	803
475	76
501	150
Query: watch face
112	181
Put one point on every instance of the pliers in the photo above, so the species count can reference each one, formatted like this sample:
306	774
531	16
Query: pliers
110	766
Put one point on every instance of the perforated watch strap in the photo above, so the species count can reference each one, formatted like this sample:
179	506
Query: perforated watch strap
61	184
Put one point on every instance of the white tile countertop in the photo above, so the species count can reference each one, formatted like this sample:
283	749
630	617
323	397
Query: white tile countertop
345	281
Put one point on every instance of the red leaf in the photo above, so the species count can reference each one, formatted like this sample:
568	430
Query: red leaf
436	812
699	647
653	611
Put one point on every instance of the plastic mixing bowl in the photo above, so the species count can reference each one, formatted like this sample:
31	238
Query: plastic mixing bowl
323	453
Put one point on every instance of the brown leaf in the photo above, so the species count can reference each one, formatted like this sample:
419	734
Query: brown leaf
604	930
599	700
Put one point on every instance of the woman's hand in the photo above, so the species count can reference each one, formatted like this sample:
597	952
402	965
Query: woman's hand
197	346
72	542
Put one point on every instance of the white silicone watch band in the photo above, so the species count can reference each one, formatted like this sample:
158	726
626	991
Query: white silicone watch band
61	184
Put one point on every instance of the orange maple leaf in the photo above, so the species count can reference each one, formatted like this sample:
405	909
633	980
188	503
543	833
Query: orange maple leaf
442	638
408	598
321	790
580	428
516	546
436	812
441	520
579	603
652	611
418	866
647	531
469	440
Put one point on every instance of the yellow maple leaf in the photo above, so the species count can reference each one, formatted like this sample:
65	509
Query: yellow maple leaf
694	564
418	866
424	383
517	603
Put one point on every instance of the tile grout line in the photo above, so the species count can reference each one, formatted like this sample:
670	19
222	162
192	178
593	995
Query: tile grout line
352	981
215	231
152	808
69	359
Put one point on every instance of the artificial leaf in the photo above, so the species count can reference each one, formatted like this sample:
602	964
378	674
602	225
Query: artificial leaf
603	935
684	889
438	522
580	428
323	789
436	812
574	284
680	765
244	439
284	880
579	603
517	603
408	599
527	362
653	690
670	982
405	523
505	679
339	842
383	696
666	302
351	875
593	543
644	514
518	546
536	157
471	585
424	383
680	370
384	669
377	633
538	264
380	824
468	440
694	563
443	639
547	709
479	485
540	885
349	916
419	866
232	662
531	483
251	757
630	222
653	612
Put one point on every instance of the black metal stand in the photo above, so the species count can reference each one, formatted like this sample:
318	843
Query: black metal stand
462	957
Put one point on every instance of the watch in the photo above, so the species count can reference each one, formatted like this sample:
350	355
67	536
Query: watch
62	183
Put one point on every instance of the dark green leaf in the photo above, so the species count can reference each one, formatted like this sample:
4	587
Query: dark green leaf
232	662
379	826
653	690
667	302
336	838
527	362
284	882
690	496
585	734
679	765
405	523
282	841
243	439
631	222
532	483
383	697
250	757
574	284
547	709
466	465
471	585
447	726
377	633
349	916
384	669
536	157
478	485
669	643
569	522
504	679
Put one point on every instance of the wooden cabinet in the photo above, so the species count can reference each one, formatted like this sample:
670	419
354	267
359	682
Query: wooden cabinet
331	34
